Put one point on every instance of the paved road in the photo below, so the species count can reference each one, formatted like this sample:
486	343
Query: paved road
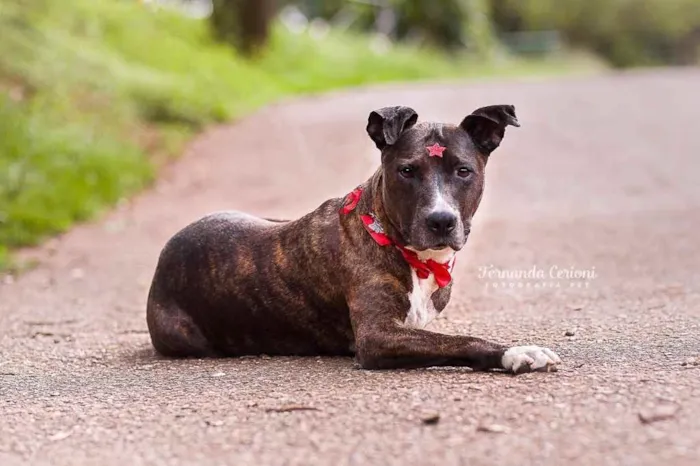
602	177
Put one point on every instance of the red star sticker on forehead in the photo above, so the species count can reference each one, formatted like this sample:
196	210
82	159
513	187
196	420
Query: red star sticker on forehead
436	150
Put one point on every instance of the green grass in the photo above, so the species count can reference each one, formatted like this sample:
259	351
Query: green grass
96	94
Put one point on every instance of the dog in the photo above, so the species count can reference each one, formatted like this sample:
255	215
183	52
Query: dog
362	275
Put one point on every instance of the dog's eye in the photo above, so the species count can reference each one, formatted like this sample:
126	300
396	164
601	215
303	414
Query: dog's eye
464	172
407	171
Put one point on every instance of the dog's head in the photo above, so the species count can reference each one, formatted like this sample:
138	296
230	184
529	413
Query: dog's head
433	173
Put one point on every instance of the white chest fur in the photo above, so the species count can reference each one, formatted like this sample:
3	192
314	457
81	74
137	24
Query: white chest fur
422	310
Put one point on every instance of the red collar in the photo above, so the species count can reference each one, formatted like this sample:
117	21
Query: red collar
423	269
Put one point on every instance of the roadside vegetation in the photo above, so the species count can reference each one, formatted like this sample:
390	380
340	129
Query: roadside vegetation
95	95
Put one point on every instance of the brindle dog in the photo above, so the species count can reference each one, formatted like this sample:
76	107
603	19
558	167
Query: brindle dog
360	275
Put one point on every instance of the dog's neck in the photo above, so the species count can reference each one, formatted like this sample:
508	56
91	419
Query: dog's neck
374	202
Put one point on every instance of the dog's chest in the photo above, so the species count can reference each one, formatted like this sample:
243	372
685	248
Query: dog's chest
422	310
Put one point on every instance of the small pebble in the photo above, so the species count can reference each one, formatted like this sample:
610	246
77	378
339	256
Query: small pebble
492	428
430	419
291	407
569	333
59	436
658	413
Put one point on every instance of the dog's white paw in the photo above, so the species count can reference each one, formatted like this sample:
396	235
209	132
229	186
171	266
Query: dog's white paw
529	358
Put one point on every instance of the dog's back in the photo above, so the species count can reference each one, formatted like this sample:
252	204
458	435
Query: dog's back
235	284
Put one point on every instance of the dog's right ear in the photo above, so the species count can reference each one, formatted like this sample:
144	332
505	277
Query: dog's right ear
385	125
487	126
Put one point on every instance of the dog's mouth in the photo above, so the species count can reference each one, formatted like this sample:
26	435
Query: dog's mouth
437	248
439	254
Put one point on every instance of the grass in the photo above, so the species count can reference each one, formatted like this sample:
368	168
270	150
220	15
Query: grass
96	94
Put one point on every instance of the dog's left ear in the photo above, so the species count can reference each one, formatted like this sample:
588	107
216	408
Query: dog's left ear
385	125
487	125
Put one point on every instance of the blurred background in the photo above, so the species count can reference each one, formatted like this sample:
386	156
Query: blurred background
96	95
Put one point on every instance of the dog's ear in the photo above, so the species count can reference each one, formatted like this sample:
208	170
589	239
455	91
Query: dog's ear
385	125
487	125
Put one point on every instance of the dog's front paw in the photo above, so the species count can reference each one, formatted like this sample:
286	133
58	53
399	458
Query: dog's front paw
521	359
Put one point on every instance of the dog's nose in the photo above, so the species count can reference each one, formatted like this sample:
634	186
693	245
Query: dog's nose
442	222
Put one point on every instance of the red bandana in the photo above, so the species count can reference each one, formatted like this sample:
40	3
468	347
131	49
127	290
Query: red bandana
351	200
441	272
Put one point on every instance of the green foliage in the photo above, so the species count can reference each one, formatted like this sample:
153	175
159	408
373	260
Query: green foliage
447	24
50	177
627	32
94	94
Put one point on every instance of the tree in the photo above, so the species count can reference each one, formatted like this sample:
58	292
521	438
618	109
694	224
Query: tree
245	24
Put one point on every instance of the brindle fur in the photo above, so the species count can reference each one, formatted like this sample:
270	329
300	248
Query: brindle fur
232	284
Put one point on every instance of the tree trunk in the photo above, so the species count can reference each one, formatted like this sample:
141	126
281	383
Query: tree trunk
688	51
245	24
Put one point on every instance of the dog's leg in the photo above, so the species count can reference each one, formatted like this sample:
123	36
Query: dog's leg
382	342
173	332
399	347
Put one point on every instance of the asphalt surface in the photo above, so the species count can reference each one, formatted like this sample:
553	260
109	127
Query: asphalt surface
602	177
